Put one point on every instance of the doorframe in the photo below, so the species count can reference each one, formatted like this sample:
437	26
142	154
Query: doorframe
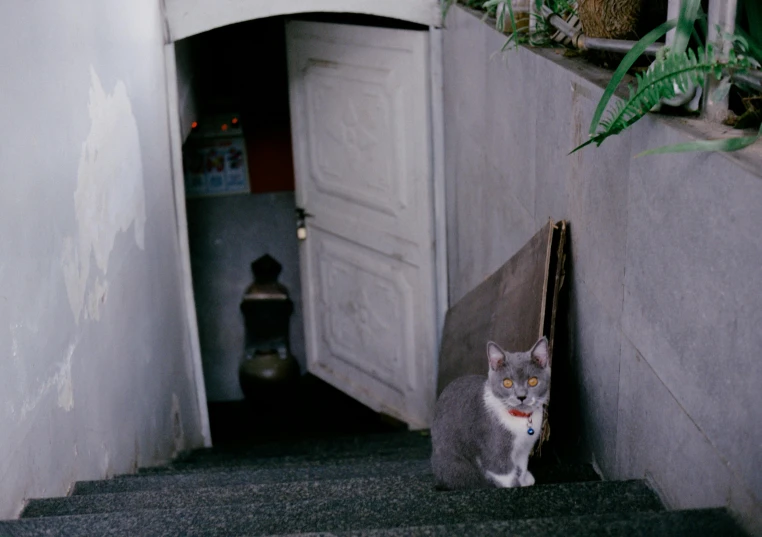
181	221
441	292
436	82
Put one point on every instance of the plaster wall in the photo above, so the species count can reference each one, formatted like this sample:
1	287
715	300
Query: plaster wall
95	372
665	306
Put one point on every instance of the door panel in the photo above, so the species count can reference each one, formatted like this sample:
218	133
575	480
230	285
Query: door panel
360	123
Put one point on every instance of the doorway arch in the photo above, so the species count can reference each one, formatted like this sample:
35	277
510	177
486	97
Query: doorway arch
185	18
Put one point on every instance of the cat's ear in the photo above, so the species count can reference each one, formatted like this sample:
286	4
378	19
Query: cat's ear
496	356
539	352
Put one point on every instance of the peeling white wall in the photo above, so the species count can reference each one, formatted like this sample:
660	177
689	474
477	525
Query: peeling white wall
109	198
95	375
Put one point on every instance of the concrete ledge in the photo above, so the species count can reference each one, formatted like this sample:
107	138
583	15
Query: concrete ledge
750	158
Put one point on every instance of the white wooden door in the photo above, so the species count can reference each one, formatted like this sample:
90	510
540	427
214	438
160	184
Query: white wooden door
360	120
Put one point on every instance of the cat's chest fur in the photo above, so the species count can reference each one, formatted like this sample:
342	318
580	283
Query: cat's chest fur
516	426
514	443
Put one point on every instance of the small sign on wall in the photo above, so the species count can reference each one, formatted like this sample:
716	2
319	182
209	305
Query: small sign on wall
214	158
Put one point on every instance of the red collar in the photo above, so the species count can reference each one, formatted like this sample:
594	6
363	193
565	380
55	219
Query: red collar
519	413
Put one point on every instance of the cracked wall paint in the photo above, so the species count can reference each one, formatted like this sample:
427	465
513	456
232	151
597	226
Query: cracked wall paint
95	298
61	381
110	196
26	389
177	426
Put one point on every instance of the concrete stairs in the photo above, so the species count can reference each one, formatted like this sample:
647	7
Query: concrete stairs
370	485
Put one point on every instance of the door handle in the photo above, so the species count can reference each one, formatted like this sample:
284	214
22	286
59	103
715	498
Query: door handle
301	225
301	214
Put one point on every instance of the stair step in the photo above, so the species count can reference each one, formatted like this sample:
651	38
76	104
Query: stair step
249	476
232	461
326	450
684	523
277	471
403	509
545	471
241	494
328	446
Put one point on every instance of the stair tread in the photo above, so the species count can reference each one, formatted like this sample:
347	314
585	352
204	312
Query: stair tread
566	472
288	471
237	493
245	476
227	521
325	450
235	488
237	462
679	523
355	512
548	471
327	445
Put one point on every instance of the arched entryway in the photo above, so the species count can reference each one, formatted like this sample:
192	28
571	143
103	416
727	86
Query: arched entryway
372	268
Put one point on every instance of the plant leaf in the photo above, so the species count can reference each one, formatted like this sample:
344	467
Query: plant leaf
580	146
728	144
689	10
627	62
668	75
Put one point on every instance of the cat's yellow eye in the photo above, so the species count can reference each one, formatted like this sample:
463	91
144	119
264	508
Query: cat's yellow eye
532	381
507	383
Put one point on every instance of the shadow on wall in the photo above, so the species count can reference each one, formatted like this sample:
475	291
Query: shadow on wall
566	413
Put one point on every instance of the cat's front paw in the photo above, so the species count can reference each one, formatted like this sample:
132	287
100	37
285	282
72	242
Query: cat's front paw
527	479
503	481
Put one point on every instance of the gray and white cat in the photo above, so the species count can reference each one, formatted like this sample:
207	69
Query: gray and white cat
485	427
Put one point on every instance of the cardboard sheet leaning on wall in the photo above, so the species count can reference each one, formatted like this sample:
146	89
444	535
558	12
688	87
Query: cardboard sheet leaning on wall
513	307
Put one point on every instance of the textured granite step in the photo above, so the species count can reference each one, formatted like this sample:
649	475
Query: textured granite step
545	471
175	498
232	461
240	494
362	513
250	476
328	450
688	523
325	447
347	450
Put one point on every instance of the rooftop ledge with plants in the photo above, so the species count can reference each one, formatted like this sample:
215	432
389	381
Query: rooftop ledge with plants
703	65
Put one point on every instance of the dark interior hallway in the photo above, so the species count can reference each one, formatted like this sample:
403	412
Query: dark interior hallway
309	408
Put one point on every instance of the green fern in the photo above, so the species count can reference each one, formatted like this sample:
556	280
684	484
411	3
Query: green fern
668	75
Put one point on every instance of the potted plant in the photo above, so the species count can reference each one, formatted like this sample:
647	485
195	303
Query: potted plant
677	70
620	19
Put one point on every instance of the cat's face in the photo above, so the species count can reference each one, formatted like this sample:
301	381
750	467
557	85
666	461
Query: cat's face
520	380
